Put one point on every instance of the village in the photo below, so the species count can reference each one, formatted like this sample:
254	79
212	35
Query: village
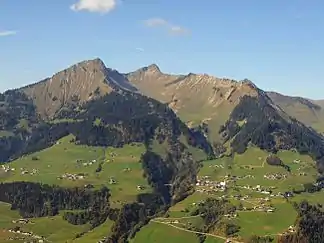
25	236
73	177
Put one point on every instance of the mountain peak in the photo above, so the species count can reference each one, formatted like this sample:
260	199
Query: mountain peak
153	68
91	64
76	84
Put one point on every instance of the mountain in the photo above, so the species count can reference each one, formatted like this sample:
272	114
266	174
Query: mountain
100	108
76	85
236	114
196	98
129	151
309	112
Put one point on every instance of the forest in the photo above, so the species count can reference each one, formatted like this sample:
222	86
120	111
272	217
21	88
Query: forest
309	225
38	200
270	131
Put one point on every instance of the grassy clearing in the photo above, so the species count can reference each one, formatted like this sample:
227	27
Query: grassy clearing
7	216
55	229
5	134
159	233
127	181
252	157
96	234
259	223
121	164
213	240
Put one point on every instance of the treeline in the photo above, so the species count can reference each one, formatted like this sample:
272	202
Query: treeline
135	215
95	216
14	107
17	117
212	211
260	239
267	129
310	225
276	161
38	200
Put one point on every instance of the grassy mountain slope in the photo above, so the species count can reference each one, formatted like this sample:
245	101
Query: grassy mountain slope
18	117
268	120
78	84
195	98
309	112
266	128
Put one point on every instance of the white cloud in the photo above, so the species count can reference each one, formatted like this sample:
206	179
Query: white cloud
7	33
139	49
171	28
178	30
98	6
155	22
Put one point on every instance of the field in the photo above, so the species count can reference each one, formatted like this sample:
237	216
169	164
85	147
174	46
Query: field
121	171
253	220
159	233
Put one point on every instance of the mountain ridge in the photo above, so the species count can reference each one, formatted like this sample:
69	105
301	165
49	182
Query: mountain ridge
181	123
76	84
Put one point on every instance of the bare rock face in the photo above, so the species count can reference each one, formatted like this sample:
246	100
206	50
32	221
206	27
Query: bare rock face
75	85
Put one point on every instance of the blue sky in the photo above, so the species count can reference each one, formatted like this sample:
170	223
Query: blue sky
277	44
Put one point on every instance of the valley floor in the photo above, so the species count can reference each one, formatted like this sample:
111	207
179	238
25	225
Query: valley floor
246	181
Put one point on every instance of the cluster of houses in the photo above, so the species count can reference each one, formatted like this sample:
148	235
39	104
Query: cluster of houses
17	230
84	163
205	184
258	188
291	229
21	221
112	181
231	216
264	208
235	178
26	172
216	166
240	197
7	168
140	188
72	177
275	176
126	170
296	161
